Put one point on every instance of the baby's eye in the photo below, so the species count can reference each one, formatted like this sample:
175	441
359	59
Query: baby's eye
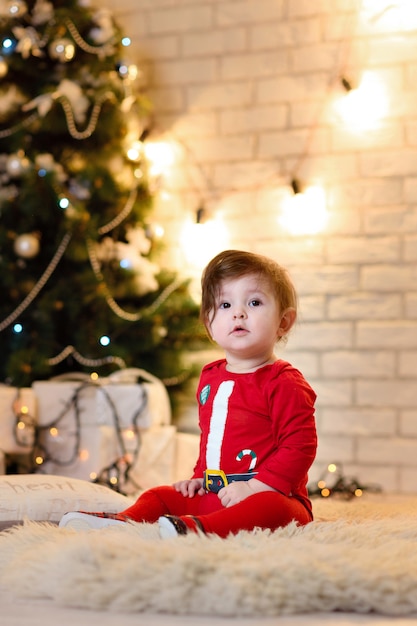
224	305
255	303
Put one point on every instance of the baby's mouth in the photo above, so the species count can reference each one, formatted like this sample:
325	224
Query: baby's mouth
239	329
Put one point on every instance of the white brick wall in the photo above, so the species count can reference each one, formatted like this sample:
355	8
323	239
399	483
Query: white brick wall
241	84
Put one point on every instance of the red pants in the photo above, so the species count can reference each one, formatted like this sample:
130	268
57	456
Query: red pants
268	509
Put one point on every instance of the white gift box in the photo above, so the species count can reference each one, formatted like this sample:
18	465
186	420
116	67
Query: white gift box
87	427
17	405
158	399
187	448
63	403
166	456
156	460
80	424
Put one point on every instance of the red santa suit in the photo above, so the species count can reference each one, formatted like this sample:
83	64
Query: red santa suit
262	421
259	423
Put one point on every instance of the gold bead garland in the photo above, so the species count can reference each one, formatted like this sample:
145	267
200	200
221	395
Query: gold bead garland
71	351
106	49
91	127
39	285
111	302
8	132
106	228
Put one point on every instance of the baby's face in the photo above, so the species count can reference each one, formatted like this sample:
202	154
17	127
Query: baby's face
246	319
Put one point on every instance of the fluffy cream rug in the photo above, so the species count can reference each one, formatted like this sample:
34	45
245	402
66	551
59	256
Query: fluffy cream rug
358	556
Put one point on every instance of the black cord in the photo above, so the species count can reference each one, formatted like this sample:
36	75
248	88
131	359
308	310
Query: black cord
114	470
343	486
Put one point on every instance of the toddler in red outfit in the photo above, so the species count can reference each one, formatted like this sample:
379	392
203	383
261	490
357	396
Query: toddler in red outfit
256	415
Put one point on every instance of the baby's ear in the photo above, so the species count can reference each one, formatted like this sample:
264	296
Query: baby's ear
287	321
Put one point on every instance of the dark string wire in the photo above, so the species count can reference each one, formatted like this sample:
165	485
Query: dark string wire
129	464
23	436
39	448
336	77
339	485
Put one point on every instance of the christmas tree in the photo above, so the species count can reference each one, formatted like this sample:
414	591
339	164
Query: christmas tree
80	284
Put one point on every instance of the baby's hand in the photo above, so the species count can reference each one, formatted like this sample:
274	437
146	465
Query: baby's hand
234	493
190	487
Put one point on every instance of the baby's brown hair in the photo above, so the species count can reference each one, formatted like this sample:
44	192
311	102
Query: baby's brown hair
236	263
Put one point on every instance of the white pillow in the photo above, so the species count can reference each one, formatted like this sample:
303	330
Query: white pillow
43	497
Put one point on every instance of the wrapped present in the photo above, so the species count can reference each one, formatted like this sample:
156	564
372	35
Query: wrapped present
187	448
156	462
17	419
93	430
159	405
166	456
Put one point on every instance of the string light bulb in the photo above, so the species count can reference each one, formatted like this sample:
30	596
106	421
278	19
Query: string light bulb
135	151
304	211
346	84
363	107
332	482
160	156
25	424
84	455
202	238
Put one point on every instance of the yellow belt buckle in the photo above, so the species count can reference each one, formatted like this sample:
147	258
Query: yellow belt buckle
208	479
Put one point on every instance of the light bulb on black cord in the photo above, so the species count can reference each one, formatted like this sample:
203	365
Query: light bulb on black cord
346	84
333	482
296	186
25	428
201	215
304	212
364	104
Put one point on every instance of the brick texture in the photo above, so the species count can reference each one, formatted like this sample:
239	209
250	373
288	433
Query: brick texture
247	90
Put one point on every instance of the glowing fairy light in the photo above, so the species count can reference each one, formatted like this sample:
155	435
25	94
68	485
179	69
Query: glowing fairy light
63	203
125	264
160	156
364	107
201	241
84	455
305	213
135	151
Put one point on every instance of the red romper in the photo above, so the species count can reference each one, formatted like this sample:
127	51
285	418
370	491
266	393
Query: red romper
261	422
